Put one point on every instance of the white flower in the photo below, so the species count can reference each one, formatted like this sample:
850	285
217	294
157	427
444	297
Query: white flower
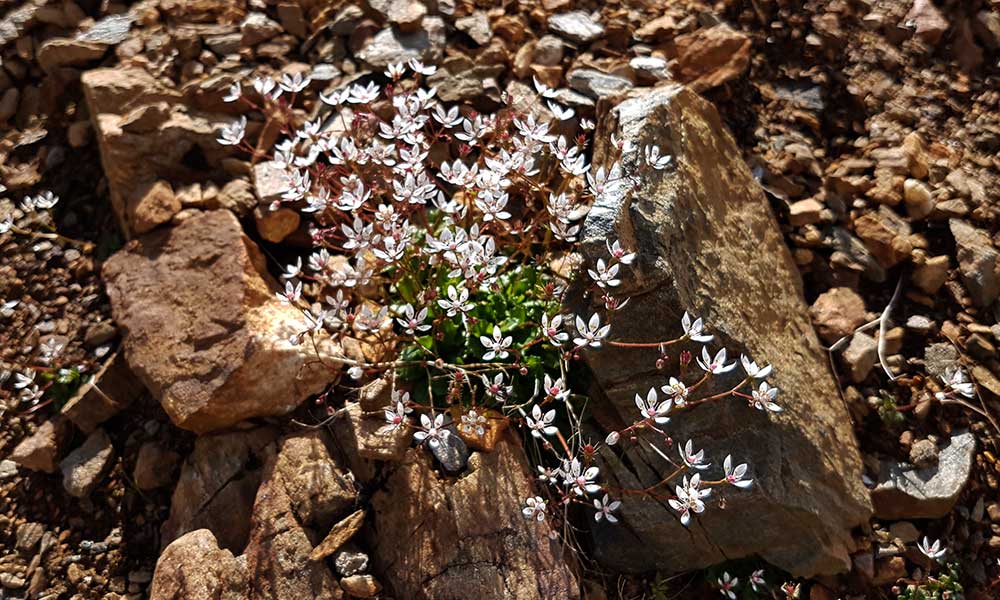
355	372
586	124
757	579
590	333
543	90
954	378
540	423
412	321
395	415
234	93
497	387
497	345
716	365
693	329
395	71
473	423
550	329
267	88
561	114
556	388
695	460
433	431
295	82
580	480
689	498
6	223
293	271
618	253
763	398
419	67
605	275
232	134
735	476
932	551
651	408
727	585
676	390
654	159
534	508
753	370
291	294
46	200
363	94
456	302
605	508
23	380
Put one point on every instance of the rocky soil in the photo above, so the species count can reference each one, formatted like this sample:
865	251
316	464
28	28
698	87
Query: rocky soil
850	153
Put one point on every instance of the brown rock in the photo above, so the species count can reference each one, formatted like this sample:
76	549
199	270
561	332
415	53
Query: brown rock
917	195
837	313
83	468
338	536
690	224
154	466
885	234
978	262
275	225
710	57
202	329
888	570
217	486
277	555
65	52
660	28
930	275
113	388
154	205
257	28
194	566
491	552
40	451
860	356
477	26
320	491
361	586
928	22
804	212
369	438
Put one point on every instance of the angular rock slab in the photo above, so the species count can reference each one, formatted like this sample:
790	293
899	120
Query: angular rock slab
446	539
907	492
194	566
708	243
203	329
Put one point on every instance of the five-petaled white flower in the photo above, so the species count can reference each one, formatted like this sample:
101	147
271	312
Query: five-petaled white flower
411	320
550	328
676	390
763	398
689	498
578	479
752	370
715	365
757	580
291	294
932	551
605	275
590	333
556	388
457	302
651	408
618	253
541	424
497	387
653	158
419	67
433	431
534	508
497	345
473	423
955	379
605	508
395	415
727	585
735	476
694	460
693	329
232	134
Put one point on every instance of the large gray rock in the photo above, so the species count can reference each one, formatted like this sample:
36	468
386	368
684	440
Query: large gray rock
978	262
708	243
392	46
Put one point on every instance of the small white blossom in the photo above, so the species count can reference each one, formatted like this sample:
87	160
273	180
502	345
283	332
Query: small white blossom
653	158
693	329
534	508
651	408
735	476
727	585
578	479
497	387
433	431
473	423
497	345
457	302
955	379
618	253
752	370
590	333
763	398
715	365
551	331
694	460
689	498
235	93
541	423
605	508
232	134
933	551
412	321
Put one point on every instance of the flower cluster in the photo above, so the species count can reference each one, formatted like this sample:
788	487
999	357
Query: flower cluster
435	232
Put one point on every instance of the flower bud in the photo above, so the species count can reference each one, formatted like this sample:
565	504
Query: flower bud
355	372
612	438
685	358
